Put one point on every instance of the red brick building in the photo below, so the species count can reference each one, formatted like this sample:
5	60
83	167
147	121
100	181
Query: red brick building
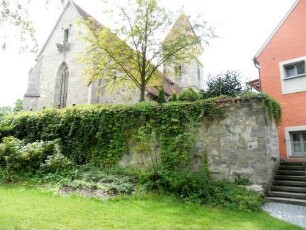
282	67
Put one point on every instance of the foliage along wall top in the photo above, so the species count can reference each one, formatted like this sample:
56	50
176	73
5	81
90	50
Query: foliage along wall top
98	133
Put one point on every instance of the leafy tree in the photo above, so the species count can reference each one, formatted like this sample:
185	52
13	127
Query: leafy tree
5	111
18	105
135	59
227	83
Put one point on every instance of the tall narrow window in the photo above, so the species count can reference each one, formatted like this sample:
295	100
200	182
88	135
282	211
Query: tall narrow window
199	73
178	70
63	87
66	35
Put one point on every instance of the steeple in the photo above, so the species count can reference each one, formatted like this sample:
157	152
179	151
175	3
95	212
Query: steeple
182	24
188	73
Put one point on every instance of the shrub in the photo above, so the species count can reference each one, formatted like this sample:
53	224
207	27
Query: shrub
88	177
189	95
161	96
227	83
11	160
198	187
174	97
55	162
226	194
17	157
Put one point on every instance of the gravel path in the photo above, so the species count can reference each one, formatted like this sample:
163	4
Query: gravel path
294	214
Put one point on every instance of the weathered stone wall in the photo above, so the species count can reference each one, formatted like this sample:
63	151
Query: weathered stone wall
240	143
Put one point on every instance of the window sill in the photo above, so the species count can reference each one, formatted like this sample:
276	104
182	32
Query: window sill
298	155
293	77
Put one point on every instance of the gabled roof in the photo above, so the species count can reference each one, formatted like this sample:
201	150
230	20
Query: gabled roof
277	28
86	15
169	88
81	12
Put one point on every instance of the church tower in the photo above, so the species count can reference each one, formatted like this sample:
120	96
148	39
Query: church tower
188	73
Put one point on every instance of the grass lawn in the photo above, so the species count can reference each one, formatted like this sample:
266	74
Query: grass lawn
28	208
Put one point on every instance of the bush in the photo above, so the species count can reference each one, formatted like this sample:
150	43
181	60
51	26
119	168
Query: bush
17	158
88	177
55	162
174	97
200	188
228	83
161	96
189	95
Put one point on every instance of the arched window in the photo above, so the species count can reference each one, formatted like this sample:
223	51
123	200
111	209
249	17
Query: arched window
62	86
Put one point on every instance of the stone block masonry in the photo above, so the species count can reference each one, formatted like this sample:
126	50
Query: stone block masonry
241	142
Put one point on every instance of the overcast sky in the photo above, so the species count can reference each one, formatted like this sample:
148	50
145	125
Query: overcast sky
242	27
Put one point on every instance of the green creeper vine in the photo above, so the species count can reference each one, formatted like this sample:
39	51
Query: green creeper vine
98	134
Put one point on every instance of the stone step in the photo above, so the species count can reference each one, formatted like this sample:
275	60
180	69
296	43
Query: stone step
285	200
290	178
292	167
291	172
288	189
289	183
287	195
292	163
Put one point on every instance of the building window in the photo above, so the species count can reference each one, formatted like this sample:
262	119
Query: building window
293	75
63	87
66	35
298	143
199	74
295	69
178	70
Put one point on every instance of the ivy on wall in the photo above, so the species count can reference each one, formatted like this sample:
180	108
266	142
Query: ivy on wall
98	133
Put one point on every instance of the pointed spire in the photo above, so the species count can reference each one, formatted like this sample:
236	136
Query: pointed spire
181	24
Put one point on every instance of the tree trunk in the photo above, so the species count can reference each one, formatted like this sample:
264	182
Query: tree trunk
142	94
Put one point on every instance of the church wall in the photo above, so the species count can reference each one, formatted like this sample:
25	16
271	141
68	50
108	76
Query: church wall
123	95
32	94
189	75
77	90
51	61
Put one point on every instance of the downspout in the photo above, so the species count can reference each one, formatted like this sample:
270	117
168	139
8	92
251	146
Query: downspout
257	65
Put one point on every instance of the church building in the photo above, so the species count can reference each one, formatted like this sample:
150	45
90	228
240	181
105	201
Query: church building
57	80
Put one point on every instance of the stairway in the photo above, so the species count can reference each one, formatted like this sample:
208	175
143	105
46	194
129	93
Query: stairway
289	184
